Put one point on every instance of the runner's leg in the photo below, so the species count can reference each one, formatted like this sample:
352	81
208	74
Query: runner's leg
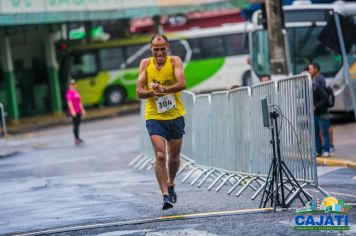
158	143
174	147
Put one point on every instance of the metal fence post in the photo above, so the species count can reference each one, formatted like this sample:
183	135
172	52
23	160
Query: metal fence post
3	121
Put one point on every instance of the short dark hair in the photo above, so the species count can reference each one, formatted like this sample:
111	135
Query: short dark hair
159	36
266	75
316	66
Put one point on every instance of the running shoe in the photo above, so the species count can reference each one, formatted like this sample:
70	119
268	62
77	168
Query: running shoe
77	142
167	202
326	154
172	193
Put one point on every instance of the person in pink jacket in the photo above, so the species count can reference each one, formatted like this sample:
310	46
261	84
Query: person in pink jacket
75	109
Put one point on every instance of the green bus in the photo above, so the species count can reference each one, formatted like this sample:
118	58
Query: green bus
106	72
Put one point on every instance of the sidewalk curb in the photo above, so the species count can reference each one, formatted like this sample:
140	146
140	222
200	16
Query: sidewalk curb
57	120
335	162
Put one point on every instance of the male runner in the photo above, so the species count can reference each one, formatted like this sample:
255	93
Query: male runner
160	80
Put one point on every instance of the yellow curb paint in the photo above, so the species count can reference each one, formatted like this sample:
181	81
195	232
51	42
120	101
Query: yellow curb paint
217	213
334	162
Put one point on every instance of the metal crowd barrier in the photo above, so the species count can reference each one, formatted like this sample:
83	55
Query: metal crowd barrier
3	122
297	150
226	142
188	99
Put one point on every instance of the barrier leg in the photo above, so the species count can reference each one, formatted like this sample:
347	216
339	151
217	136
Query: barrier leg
237	184
244	187
144	164
135	159
152	163
297	191
326	194
224	182
251	186
190	173
205	178
143	159
198	177
258	191
216	180
184	166
236	177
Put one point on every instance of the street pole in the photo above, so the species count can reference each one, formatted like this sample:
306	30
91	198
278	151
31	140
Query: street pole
157	27
276	37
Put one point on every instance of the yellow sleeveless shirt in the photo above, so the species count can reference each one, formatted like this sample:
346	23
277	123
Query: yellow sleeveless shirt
164	77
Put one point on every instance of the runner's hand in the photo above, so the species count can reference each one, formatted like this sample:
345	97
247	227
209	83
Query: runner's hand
152	84
158	88
158	94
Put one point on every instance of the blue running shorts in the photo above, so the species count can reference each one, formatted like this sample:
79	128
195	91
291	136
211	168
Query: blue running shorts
168	129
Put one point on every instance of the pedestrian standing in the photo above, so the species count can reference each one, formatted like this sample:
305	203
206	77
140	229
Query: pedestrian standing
161	78
321	114
75	110
314	70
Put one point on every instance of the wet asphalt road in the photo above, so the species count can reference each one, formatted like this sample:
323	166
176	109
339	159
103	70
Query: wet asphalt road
51	183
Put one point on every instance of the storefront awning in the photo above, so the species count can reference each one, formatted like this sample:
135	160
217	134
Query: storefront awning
25	12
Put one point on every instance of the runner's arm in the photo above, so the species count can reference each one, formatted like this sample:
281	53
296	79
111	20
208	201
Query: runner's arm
82	109
141	92
71	108
179	74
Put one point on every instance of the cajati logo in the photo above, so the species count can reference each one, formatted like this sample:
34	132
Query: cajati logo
329	214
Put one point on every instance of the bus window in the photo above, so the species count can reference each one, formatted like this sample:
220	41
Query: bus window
236	44
111	58
136	53
207	47
305	48
197	52
83	65
178	49
213	47
260	53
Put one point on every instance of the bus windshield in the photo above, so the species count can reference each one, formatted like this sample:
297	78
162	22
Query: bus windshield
305	48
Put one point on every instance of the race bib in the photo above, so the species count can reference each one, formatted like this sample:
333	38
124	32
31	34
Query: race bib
165	103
